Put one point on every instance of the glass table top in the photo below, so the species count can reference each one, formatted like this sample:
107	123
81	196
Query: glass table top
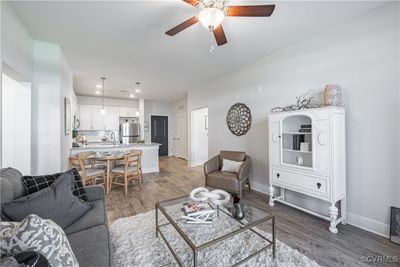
223	223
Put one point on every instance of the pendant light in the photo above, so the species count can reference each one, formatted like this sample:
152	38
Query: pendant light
138	87
103	111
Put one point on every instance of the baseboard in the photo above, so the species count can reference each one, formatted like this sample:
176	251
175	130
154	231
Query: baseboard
197	163
151	170
259	187
358	221
368	224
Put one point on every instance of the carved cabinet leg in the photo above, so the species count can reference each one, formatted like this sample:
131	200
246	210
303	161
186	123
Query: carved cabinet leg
333	212
271	196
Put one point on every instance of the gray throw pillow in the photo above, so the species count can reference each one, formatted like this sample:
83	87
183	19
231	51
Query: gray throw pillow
38	235
55	202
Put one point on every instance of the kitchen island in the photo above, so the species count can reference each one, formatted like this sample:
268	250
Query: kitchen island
149	155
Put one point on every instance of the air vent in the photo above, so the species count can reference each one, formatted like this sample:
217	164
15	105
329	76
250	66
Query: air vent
124	91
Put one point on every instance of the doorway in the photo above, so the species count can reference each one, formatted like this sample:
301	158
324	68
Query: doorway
16	125
159	133
178	134
199	136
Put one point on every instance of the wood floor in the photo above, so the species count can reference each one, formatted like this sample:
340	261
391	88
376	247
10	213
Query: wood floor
297	229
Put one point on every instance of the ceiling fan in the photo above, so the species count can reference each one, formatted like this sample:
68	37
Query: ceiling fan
212	13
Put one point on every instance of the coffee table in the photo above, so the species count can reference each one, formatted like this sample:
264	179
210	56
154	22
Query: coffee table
223	227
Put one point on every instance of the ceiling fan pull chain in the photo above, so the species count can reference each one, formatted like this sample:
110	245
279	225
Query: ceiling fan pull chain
212	45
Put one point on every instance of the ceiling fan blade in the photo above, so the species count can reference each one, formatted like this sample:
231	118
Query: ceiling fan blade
250	11
219	35
182	26
192	2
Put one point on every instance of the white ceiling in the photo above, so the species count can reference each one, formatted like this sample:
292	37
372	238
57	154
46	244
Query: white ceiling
125	41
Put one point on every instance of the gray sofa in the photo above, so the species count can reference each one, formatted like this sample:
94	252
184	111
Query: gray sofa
88	236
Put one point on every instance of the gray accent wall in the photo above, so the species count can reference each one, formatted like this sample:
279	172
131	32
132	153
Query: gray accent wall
362	55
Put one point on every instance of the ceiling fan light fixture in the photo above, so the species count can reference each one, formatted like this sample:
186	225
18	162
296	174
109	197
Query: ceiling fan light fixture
211	17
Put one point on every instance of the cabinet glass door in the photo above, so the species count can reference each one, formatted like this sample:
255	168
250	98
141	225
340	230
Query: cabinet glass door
296	144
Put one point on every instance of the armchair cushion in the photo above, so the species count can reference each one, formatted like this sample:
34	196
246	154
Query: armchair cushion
224	180
231	165
232	155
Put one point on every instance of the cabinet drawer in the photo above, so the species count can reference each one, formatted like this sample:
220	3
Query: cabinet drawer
301	183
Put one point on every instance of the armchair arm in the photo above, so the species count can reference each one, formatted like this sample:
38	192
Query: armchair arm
95	192
211	165
244	169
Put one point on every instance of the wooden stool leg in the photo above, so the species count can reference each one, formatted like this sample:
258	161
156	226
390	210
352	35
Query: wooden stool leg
126	184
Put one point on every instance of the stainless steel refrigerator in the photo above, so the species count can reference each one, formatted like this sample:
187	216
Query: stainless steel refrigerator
129	132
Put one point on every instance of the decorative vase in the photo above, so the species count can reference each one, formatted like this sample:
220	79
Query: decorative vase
237	208
333	95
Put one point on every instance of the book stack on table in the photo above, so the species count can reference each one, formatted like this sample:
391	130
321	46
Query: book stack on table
197	212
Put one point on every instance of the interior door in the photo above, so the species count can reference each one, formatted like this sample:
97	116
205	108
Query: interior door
181	129
16	125
159	133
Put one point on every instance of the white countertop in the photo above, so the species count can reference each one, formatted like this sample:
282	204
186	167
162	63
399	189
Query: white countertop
97	146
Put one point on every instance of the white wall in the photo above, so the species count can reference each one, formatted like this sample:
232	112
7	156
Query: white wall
67	91
199	137
157	108
362	55
16	44
46	109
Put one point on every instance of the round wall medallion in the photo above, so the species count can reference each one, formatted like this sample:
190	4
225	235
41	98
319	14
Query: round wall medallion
239	119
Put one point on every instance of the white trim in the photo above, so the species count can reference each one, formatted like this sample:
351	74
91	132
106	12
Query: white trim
259	187
368	224
358	221
151	170
197	163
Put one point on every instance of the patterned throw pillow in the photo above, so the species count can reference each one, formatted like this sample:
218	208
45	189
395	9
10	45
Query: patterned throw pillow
36	234
33	184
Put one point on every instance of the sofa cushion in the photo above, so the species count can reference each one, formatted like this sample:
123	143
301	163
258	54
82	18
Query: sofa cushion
92	247
25	258
223	180
36	234
95	216
55	202
11	184
232	155
33	184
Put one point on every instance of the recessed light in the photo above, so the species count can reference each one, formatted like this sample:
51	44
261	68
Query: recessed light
97	92
131	95
137	90
98	85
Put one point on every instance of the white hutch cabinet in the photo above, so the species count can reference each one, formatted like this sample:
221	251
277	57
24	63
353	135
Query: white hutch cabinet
307	154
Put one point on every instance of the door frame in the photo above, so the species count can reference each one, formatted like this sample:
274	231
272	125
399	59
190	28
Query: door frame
186	136
192	163
169	129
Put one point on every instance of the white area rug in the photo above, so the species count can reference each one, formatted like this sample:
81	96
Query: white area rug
135	244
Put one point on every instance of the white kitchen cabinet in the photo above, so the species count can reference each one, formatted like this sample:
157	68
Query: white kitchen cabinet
127	112
85	117
98	119
111	119
307	154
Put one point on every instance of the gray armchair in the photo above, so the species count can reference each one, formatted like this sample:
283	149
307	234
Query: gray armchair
232	182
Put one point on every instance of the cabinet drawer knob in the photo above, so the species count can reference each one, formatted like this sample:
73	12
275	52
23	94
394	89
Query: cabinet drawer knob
278	175
319	185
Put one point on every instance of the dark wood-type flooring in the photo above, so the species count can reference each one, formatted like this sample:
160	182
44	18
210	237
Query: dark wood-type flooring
297	229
